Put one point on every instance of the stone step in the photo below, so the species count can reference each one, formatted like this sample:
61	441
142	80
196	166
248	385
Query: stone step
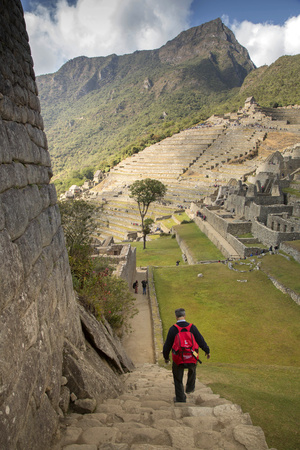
144	417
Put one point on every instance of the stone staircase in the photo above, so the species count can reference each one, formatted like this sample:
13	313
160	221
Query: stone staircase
145	417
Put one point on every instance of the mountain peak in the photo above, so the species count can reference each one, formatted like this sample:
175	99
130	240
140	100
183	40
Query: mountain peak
200	41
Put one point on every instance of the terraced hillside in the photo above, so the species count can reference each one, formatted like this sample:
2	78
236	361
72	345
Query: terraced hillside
191	164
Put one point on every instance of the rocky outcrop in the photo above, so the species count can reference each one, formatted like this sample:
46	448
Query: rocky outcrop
50	352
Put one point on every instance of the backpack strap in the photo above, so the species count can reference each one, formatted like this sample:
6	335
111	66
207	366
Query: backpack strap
188	328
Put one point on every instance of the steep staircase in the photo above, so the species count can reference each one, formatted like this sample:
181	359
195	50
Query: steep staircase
145	417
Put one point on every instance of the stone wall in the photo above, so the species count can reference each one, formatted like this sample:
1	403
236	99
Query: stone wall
127	266
41	337
261	212
270	237
222	226
285	247
184	248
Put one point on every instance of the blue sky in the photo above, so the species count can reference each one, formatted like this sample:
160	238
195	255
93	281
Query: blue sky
60	30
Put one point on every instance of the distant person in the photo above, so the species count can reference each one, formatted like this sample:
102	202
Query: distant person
135	286
177	263
144	284
179	333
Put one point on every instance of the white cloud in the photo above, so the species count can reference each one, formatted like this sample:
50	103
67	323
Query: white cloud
101	27
267	42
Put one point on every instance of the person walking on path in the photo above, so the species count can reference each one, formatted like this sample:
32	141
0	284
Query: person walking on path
135	286
178	368
144	284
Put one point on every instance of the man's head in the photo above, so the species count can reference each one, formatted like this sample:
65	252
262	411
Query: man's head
180	313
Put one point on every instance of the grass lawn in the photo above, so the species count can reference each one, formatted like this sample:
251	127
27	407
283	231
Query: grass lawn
253	332
200	246
169	223
285	270
158	252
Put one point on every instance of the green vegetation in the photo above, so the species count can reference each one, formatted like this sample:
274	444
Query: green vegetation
102	293
245	236
78	223
145	192
252	329
99	110
95	126
159	252
200	246
284	269
292	191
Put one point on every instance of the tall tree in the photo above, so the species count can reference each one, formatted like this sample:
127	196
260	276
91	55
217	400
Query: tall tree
145	192
77	222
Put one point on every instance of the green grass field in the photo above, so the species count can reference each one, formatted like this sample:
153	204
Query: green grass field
253	332
158	252
200	246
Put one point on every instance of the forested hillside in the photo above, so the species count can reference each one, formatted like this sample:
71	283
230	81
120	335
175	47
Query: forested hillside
99	110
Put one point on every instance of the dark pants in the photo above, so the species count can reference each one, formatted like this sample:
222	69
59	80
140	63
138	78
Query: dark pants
178	370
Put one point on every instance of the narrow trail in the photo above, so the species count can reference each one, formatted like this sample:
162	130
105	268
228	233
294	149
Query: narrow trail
139	343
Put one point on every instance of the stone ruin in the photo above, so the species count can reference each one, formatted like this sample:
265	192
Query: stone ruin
51	349
260	209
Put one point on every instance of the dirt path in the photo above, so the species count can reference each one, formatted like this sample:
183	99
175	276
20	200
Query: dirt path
139	343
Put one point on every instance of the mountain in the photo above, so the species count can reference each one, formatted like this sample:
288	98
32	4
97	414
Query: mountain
98	110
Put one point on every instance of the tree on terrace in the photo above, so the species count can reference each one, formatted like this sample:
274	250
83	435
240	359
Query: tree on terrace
145	192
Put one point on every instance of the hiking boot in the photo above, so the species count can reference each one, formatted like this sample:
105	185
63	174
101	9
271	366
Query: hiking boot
179	401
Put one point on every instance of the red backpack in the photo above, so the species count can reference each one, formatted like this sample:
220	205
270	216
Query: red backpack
185	347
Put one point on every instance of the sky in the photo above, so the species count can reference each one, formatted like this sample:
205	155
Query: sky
60	30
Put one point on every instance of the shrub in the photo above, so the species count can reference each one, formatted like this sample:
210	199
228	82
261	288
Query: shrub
106	295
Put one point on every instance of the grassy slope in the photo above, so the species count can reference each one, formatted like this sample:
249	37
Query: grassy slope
253	331
200	246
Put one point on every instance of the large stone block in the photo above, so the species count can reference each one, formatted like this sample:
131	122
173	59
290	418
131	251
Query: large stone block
11	269
30	245
37	136
7	108
7	177
49	221
32	201
12	411
41	424
20	143
2	217
52	194
44	193
97	336
20	175
38	174
16	217
88	375
39	274
5	155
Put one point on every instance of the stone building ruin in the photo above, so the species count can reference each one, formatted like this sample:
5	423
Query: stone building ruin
44	354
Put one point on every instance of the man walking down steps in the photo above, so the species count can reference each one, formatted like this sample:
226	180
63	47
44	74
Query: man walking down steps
145	417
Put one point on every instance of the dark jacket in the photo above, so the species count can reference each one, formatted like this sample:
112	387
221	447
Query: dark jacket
171	336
